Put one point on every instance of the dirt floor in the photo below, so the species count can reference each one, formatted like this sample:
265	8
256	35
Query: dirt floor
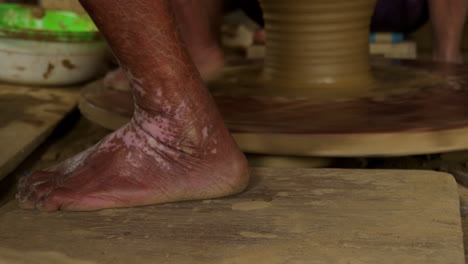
75	134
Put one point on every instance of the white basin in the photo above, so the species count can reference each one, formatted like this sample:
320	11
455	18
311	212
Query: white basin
33	62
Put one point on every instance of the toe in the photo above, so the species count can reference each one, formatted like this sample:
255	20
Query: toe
32	188
25	204
71	200
25	184
41	190
55	200
37	192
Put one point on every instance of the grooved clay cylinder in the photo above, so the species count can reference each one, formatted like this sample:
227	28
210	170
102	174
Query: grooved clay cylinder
318	43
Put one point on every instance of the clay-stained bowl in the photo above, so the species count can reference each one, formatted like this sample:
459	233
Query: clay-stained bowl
48	47
50	63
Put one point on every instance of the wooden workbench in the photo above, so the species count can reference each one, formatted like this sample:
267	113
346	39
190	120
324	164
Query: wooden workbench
286	216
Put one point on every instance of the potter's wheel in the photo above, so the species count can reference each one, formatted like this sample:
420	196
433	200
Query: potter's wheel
423	118
428	116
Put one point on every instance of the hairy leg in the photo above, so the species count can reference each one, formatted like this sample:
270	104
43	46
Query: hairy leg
200	24
448	20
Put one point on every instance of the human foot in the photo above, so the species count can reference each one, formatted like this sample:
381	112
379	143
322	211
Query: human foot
209	62
259	36
131	167
175	148
117	80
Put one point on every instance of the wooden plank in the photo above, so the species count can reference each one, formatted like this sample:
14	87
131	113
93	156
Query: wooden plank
465	237
27	116
402	50
286	216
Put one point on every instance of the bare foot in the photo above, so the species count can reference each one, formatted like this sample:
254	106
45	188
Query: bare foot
209	62
140	164
117	80
259	36
175	148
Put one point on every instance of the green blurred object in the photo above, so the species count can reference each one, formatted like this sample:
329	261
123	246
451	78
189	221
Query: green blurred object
31	22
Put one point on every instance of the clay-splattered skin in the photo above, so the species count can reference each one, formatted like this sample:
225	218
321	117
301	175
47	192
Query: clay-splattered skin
175	148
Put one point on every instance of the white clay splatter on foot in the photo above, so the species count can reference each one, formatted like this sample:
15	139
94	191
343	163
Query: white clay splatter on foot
139	89
135	82
205	133
180	112
76	161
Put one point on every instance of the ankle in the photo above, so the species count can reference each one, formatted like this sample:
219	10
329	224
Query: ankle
175	132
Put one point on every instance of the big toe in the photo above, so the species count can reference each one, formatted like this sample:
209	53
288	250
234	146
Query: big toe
34	187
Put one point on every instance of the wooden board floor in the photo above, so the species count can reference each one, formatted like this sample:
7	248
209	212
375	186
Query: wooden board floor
286	216
27	117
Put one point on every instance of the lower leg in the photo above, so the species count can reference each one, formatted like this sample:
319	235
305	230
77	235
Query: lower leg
175	148
200	24
448	20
